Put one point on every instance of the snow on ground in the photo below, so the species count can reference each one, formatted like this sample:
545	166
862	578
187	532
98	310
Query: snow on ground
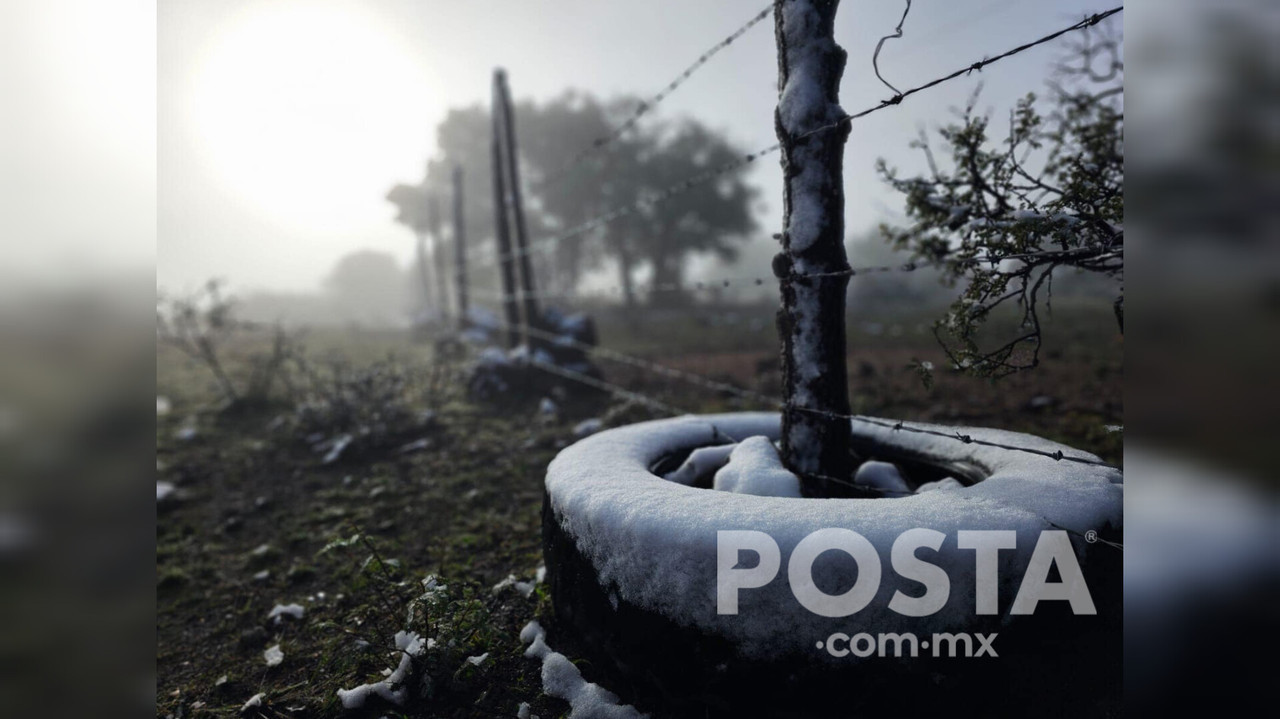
280	611
561	679
524	588
755	468
392	688
588	427
163	490
254	701
273	655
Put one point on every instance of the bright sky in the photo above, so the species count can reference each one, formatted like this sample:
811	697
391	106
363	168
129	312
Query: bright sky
77	139
282	123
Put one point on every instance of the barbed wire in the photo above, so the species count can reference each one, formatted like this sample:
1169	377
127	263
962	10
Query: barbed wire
646	106
674	411
548	244
752	395
897	33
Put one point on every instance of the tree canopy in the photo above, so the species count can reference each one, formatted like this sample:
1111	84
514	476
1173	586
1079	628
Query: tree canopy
560	194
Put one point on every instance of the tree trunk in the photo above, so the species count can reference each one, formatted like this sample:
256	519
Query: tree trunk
424	274
438	256
459	249
625	267
811	321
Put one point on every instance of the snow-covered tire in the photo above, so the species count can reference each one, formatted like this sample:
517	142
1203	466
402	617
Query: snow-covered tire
632	564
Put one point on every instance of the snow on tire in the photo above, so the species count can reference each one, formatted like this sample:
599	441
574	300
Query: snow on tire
632	566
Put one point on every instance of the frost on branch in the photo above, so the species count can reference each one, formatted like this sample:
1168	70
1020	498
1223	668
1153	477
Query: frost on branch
1003	214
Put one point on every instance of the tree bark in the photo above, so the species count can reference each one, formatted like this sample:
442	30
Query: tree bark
817	447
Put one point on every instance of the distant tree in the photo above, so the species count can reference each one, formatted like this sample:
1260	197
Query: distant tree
713	218
369	285
1004	214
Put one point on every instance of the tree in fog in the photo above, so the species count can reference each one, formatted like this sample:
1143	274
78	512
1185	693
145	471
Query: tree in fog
713	218
1001	213
369	286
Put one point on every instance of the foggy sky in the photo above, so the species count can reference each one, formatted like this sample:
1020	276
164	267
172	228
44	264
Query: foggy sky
212	224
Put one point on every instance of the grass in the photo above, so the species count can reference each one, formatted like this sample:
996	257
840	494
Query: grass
466	509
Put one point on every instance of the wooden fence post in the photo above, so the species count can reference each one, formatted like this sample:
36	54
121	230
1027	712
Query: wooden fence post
501	229
516	203
459	249
811	321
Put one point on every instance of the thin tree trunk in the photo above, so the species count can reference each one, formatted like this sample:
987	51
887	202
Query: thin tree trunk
811	320
459	249
438	257
424	275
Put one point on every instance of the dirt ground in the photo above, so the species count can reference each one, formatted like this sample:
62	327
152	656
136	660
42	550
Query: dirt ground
257	519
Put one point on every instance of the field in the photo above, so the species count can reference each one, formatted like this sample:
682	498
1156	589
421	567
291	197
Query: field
257	519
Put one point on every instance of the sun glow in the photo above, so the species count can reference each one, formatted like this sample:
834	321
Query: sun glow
310	111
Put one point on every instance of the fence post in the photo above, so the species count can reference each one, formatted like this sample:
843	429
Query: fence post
438	258
500	227
459	249
811	321
531	316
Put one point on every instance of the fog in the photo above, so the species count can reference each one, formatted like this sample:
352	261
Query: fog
283	124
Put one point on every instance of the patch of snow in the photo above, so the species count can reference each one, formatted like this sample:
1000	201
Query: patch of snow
392	689
655	541
883	476
415	446
524	711
163	490
540	576
162	405
546	407
699	462
273	655
561	679
588	427
946	483
280	611
262	576
478	660
524	588
336	448
254	701
431	587
411	643
755	468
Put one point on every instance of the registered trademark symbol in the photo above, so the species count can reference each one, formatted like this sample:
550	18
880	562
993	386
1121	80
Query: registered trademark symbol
1091	536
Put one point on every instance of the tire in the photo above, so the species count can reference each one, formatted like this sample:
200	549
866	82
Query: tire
631	562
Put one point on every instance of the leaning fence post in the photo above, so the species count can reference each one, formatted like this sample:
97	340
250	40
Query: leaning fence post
516	202
501	229
459	249
811	319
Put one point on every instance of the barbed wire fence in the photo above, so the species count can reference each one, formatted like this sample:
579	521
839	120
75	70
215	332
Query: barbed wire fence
654	199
